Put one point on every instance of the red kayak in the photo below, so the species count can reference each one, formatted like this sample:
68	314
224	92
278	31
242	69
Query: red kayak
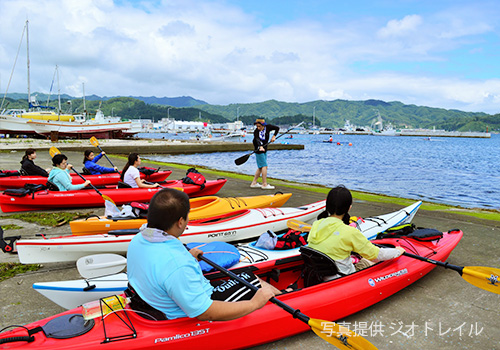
333	300
88	197
97	180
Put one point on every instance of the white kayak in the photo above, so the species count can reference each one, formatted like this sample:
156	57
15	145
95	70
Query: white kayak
70	294
237	226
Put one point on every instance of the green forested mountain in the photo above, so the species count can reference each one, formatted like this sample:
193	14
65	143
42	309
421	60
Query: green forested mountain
125	107
331	114
362	113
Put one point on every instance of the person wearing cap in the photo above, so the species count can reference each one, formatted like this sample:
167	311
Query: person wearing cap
261	136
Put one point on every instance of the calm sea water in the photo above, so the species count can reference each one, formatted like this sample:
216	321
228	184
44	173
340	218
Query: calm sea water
457	171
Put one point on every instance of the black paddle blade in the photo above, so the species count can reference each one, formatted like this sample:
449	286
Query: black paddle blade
242	159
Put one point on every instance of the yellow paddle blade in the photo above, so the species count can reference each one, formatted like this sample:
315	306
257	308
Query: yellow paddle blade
340	337
53	151
106	198
487	278
94	141
298	225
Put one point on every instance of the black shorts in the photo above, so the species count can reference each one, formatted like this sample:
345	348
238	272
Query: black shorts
233	290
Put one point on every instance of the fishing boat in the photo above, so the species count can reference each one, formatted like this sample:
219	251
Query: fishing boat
332	300
18	181
202	207
88	197
231	227
82	127
70	294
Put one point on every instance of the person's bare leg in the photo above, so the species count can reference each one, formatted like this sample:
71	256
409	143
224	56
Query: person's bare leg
256	177
264	176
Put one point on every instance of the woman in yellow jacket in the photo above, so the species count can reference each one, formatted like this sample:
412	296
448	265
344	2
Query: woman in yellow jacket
332	235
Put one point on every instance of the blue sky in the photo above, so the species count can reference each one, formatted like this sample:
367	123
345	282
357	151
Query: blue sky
433	53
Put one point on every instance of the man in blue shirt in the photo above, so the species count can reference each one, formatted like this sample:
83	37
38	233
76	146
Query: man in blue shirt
167	277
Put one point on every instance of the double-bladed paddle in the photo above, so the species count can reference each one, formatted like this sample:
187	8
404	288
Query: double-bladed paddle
333	333
95	143
487	278
53	151
244	158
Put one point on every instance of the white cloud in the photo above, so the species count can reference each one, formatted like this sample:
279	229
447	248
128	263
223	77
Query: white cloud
216	52
407	26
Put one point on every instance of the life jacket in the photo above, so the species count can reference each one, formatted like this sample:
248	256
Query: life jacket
26	190
147	170
7	173
291	239
193	177
140	210
397	231
410	231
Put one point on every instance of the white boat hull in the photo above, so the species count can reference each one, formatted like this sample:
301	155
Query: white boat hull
73	128
70	294
246	225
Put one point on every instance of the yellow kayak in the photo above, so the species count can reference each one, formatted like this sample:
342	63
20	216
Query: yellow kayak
202	207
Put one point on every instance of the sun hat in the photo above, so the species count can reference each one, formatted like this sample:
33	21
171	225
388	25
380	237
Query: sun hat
260	121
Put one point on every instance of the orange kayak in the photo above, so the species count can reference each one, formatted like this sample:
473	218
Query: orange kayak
202	207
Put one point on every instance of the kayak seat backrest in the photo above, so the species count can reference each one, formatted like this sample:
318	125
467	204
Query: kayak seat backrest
123	185
23	172
86	171
318	267
52	186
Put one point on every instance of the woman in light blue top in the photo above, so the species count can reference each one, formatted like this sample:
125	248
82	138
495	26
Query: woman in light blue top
60	176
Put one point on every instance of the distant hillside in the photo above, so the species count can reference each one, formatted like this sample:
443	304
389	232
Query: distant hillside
331	114
361	113
182	101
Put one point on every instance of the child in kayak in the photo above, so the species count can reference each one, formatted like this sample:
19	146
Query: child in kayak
131	175
59	175
29	166
165	279
90	162
332	235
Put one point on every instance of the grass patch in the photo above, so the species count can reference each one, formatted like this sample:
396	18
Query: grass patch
47	219
8	270
11	227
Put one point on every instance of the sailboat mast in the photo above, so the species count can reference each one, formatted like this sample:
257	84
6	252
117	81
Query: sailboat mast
84	107
58	90
28	62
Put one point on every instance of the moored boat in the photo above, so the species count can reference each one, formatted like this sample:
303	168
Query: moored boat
70	294
97	180
202	207
236	226
88	197
332	300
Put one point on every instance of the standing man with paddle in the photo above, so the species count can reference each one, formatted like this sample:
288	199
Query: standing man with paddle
260	141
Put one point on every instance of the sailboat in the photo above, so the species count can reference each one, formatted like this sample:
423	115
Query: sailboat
14	121
82	127
45	121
